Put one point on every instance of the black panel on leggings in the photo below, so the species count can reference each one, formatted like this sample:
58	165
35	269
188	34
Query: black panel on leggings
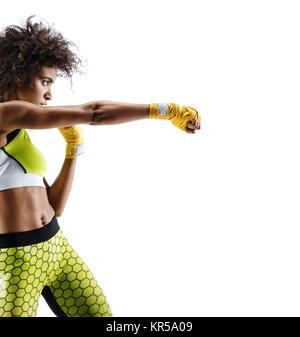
50	299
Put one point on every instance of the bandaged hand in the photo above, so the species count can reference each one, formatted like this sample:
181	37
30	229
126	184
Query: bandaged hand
74	138
185	118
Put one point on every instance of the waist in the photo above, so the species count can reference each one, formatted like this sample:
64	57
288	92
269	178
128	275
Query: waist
23	209
31	237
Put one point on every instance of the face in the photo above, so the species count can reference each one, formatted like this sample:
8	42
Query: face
39	90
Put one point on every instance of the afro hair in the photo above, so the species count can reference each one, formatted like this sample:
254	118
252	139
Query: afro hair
24	50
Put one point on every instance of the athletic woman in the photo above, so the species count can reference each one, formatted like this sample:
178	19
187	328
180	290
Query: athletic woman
35	257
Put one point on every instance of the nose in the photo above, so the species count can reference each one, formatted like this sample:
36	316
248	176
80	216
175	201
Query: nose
48	95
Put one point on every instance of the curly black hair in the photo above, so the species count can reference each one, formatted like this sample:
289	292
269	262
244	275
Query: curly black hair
24	50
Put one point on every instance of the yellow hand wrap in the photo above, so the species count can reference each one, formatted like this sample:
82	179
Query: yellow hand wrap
177	114
74	139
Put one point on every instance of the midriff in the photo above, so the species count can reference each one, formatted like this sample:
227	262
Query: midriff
24	209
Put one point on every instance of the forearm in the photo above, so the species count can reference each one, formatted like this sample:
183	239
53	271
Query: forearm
120	112
59	191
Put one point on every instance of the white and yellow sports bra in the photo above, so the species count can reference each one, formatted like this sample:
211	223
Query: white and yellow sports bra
21	163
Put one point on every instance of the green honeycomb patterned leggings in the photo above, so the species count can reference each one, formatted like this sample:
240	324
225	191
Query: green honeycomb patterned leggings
42	261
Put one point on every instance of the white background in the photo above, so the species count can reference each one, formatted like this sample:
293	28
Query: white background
173	224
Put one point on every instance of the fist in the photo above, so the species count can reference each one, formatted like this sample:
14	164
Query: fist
192	126
185	118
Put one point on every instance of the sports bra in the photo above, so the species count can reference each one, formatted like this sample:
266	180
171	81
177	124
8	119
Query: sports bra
21	163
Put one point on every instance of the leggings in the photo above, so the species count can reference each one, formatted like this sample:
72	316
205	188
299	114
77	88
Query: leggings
41	261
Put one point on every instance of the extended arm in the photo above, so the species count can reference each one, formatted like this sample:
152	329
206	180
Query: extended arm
25	115
22	115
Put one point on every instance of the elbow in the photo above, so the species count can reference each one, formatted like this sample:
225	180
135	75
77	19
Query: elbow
56	206
58	212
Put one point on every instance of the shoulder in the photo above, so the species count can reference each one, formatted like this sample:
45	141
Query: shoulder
4	131
17	114
6	109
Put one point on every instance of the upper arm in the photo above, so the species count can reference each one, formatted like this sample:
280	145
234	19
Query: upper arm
14	114
26	115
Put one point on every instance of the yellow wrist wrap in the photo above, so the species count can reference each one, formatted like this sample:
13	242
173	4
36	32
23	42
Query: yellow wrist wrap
74	138
177	114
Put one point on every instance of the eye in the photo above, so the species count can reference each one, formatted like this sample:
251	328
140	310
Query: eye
45	81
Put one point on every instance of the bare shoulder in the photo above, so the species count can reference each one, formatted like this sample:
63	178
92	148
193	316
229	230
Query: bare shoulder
4	130
15	105
5	110
12	113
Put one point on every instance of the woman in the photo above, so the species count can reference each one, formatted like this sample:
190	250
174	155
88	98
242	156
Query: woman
35	257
